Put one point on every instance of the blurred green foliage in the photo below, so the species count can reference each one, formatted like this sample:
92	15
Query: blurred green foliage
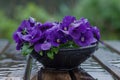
9	25
24	12
104	13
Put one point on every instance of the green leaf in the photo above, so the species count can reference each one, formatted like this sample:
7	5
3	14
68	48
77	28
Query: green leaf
55	50
69	44
26	49
41	53
50	54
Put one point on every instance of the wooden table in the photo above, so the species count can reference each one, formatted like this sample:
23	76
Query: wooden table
101	56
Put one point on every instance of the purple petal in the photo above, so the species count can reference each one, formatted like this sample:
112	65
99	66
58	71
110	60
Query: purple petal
74	32
22	25
65	32
46	26
46	46
96	32
26	37
85	39
53	43
67	20
37	47
19	46
17	37
94	40
32	20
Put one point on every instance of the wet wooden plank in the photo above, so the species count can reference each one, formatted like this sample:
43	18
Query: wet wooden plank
18	73
12	49
95	70
102	57
10	78
3	45
12	52
113	46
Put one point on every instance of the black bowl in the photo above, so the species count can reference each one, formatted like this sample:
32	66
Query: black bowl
66	58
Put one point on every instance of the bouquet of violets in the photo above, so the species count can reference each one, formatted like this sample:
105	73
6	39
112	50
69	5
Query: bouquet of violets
52	36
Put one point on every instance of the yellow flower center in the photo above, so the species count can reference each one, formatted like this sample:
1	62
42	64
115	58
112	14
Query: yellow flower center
82	39
58	40
65	28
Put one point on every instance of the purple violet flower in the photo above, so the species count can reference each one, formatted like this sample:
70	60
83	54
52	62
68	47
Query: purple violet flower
67	20
56	36
24	28
42	44
78	27
85	39
26	25
80	31
33	36
45	36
